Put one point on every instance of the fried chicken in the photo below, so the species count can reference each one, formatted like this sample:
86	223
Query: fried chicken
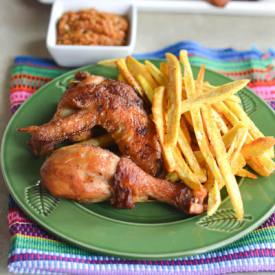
82	84
111	104
90	174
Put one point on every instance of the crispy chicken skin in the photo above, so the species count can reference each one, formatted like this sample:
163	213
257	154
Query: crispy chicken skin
86	173
111	104
83	83
131	184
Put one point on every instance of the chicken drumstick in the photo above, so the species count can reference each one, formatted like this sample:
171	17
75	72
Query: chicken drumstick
86	173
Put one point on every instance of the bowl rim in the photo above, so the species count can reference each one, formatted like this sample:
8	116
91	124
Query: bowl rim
132	19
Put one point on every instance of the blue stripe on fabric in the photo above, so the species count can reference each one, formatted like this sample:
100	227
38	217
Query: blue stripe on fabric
235	265
272	52
195	48
34	60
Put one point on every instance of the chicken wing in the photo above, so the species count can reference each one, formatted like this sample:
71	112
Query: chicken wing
90	174
117	108
82	84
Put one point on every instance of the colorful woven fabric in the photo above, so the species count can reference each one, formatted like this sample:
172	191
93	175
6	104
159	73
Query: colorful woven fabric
35	251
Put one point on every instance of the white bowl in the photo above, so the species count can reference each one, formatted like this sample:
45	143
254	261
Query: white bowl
74	55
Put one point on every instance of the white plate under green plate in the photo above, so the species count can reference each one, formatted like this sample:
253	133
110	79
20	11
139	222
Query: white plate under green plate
151	230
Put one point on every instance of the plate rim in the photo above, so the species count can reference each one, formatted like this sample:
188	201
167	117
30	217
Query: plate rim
90	247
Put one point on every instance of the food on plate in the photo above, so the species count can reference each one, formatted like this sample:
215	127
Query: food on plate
66	106
222	159
172	155
117	108
236	159
214	198
256	147
213	128
87	173
173	97
125	74
215	95
204	116
157	75
92	27
167	123
103	141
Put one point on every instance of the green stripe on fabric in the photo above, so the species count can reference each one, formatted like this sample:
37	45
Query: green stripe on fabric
231	66
44	72
254	237
28	82
23	242
212	64
20	241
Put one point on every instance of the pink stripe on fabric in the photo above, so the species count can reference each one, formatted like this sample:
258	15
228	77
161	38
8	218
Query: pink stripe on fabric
19	97
266	89
14	215
267	93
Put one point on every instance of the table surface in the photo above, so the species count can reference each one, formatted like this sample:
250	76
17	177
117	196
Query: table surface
23	27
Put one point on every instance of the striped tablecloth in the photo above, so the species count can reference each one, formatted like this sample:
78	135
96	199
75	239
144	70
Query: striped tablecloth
35	251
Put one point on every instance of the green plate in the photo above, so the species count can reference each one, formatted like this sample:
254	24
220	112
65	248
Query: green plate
151	230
